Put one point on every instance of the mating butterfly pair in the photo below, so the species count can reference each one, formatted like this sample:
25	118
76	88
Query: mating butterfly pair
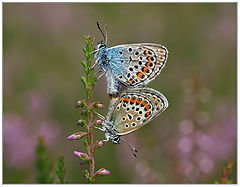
132	66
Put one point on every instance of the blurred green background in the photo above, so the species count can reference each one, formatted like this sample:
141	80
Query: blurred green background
191	142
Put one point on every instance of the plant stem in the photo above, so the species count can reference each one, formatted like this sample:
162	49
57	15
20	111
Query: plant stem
89	81
89	89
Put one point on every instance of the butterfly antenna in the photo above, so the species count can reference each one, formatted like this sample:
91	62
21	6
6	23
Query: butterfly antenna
105	29
101	32
98	115
131	147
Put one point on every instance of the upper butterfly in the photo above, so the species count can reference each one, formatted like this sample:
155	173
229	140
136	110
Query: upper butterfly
131	65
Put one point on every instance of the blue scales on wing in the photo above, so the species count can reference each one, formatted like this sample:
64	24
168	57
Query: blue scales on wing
136	64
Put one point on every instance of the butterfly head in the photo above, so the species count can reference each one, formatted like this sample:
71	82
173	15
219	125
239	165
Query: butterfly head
110	132
101	45
112	136
116	140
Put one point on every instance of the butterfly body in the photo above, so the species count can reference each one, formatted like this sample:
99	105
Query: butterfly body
131	65
133	110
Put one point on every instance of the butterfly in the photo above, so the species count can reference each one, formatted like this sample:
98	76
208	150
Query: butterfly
133	109
131	65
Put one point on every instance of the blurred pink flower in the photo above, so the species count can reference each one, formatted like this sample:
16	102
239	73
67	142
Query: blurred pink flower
20	139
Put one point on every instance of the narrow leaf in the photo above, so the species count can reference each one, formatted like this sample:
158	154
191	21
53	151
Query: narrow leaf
84	80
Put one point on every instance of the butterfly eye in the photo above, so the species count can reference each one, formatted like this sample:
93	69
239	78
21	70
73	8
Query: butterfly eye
100	45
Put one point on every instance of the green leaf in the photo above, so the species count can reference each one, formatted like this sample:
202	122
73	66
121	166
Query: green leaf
85	50
91	180
60	171
93	80
229	182
42	163
84	80
85	66
86	174
86	145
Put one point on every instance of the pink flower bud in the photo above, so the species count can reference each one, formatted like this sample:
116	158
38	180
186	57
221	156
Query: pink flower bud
103	171
81	122
83	156
101	143
78	154
98	121
99	105
79	103
77	136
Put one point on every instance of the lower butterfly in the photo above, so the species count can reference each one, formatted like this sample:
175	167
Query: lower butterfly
133	109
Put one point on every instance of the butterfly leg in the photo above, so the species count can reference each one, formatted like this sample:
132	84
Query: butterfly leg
101	129
106	140
102	73
94	64
98	115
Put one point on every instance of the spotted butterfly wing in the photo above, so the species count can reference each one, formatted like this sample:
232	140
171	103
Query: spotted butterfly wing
135	108
137	64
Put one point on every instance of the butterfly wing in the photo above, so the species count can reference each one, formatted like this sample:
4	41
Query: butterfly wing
135	108
137	64
159	100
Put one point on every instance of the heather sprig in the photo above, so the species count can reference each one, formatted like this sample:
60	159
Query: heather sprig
43	165
224	179
89	123
60	171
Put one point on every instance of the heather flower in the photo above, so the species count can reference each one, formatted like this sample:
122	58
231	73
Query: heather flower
102	171
87	111
82	156
77	136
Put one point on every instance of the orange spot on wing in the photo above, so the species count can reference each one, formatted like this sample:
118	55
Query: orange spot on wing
148	64
147	114
126	99
143	103
149	59
131	80
139	75
144	70
132	100
146	52
138	101
147	107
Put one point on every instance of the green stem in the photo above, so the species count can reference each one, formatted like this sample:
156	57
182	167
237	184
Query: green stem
89	89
